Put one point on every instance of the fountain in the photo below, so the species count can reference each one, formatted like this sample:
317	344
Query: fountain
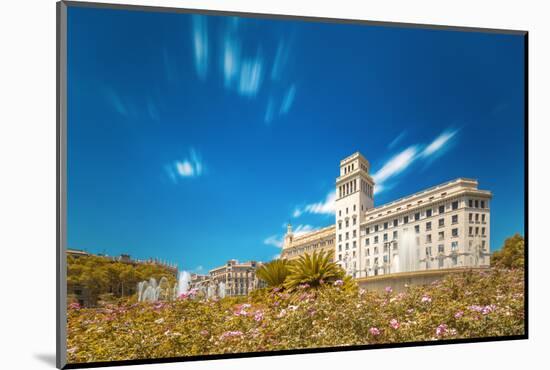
151	291
221	289
407	258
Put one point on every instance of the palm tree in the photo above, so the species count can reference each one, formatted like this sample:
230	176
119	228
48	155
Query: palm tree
274	273
314	269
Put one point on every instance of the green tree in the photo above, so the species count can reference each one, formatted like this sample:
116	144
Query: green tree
274	273
313	269
511	254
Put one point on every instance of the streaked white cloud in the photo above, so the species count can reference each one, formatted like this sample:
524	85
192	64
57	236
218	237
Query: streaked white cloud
288	99
397	139
274	240
200	45
396	165
115	100
302	229
189	167
438	143
326	207
281	58
231	59
251	76
389	171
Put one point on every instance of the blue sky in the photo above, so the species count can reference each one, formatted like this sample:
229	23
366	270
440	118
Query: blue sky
195	139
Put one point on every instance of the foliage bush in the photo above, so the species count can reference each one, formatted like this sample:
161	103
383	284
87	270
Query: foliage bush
512	253
464	305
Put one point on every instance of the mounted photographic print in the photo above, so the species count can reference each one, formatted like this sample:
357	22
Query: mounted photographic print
234	184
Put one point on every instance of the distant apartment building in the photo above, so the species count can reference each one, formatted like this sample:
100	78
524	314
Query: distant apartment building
238	278
318	240
445	226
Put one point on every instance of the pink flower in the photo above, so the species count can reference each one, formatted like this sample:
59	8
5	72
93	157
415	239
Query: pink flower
441	330
74	306
394	323
303	286
459	314
321	282
388	289
339	283
231	334
426	299
258	316
204	332
374	331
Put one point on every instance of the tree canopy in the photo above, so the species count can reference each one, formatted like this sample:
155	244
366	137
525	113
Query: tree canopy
512	253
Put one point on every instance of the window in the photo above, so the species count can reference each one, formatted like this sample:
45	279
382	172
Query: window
483	218
340	213
347	223
385	225
428	251
347	246
339	237
454	232
354	233
347	235
354	207
441	209
477	203
470	203
395	235
483	231
417	229
375	250
417	216
454	205
429	238
482	204
368	251
395	222
454	246
455	260
339	225
470	231
367	241
441	222
355	221
339	257
441	235
367	230
428	226
385	237
406	219
375	228
477	218
477	230
339	247
376	239
354	245
347	211
353	254
441	248
454	219
429	212
470	217
385	259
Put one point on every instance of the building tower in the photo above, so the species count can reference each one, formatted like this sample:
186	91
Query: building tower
354	196
288	236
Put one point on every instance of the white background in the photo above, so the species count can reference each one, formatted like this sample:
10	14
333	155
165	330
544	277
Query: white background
27	185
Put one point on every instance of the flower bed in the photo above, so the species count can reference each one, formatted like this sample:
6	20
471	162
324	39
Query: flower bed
467	305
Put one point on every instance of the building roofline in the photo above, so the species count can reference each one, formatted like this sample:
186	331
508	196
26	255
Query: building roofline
423	192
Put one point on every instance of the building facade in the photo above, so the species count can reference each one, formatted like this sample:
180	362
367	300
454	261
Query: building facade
318	240
445	226
234	278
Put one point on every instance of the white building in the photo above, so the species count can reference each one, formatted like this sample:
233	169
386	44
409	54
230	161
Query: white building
444	226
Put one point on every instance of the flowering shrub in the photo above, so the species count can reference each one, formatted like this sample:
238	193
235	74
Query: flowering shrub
466	305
